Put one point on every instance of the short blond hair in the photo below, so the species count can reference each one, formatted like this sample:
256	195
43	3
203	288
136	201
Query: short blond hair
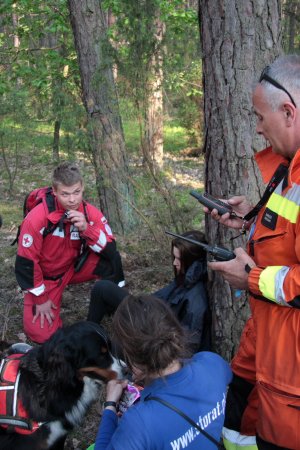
67	173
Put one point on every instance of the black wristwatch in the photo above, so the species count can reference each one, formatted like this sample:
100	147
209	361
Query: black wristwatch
110	403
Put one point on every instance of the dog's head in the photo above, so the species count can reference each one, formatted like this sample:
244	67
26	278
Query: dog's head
61	378
58	371
72	352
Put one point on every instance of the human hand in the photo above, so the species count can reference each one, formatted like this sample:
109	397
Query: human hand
234	271
78	219
44	311
239	205
114	390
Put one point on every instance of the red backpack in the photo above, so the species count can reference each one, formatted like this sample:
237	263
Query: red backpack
37	196
34	198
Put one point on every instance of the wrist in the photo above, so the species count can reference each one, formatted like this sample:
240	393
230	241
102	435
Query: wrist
110	405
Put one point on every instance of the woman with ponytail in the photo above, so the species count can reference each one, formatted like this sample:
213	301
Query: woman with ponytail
152	343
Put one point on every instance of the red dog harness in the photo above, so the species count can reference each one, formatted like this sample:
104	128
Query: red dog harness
13	416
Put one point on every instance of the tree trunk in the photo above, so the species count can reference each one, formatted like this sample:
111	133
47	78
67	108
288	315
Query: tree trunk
56	135
239	38
291	16
89	25
153	138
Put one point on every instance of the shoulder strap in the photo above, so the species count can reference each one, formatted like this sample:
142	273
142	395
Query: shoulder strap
50	199
278	175
187	418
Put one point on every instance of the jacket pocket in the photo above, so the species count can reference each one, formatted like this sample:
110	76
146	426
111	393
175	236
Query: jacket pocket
278	417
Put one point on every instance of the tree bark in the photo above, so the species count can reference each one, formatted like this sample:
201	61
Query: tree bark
153	137
56	136
239	38
89	24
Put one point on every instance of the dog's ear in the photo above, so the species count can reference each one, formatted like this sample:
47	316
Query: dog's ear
97	372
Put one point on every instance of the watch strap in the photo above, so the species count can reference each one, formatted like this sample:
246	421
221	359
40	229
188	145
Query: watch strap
110	403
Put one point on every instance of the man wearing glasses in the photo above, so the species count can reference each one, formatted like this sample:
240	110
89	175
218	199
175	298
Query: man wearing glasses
264	398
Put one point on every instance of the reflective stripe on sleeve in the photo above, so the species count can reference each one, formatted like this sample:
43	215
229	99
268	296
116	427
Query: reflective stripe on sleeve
100	244
271	284
233	440
102	239
284	207
37	291
96	248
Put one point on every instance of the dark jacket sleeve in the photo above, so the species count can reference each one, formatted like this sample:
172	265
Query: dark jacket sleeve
190	305
196	317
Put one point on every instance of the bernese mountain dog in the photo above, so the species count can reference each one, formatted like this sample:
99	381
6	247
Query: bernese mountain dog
46	390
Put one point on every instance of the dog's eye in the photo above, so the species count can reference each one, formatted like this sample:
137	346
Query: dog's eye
104	350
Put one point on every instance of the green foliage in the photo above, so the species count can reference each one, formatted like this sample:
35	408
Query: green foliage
40	76
175	137
134	41
134	44
40	84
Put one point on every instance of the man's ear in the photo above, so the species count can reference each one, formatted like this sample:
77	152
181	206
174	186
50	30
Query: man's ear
289	113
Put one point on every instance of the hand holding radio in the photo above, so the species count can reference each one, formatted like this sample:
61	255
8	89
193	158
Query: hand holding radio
234	270
237	207
213	203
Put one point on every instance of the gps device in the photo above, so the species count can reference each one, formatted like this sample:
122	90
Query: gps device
212	203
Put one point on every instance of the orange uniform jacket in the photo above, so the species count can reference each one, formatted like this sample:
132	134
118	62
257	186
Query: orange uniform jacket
274	285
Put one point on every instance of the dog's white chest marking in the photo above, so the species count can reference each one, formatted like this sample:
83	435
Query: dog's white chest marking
118	366
89	394
56	431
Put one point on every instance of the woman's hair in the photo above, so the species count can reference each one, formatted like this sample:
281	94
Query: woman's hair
189	252
67	173
148	334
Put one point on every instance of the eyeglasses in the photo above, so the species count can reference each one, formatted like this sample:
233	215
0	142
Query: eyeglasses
265	76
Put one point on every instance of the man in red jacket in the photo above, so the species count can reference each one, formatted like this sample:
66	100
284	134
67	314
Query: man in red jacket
45	265
267	365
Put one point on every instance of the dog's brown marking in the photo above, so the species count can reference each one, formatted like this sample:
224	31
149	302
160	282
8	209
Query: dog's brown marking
97	372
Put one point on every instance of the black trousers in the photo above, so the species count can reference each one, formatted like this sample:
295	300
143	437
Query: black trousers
105	298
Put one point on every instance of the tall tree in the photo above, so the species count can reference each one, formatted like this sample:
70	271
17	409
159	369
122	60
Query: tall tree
153	135
291	18
89	24
238	40
138	35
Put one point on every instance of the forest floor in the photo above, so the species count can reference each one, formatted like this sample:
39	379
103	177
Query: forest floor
146	268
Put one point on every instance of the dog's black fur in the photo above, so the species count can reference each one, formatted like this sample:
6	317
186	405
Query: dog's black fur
59	381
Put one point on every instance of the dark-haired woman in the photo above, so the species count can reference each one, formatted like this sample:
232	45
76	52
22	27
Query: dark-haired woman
186	294
153	345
